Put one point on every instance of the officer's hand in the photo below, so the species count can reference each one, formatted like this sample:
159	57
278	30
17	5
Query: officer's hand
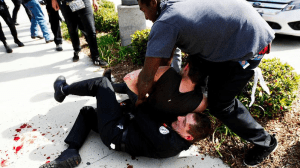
55	5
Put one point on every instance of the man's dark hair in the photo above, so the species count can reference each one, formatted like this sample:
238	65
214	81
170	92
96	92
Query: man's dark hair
197	72
201	129
147	2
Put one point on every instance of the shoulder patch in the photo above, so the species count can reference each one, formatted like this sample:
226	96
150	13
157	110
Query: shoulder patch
163	130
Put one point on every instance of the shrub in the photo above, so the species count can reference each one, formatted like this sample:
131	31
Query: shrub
106	19
283	84
65	32
106	4
111	51
139	43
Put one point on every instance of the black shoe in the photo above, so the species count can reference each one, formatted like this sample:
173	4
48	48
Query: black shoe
49	41
58	85
98	61
67	159
257	154
76	56
8	49
19	43
107	73
59	47
38	36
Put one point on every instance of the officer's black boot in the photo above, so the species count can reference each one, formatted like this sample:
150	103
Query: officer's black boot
58	85
8	49
68	159
107	73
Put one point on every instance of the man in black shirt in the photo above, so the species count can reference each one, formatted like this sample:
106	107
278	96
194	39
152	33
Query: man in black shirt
140	132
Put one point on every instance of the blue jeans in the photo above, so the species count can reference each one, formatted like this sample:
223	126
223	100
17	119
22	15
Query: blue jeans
37	19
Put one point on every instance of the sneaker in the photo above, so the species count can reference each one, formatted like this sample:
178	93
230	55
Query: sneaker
38	36
59	47
49	41
58	85
107	73
67	159
257	154
98	61
19	43
76	56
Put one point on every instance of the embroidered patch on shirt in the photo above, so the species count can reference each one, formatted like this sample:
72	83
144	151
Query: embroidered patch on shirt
163	130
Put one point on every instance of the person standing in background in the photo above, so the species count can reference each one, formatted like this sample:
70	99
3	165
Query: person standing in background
17	4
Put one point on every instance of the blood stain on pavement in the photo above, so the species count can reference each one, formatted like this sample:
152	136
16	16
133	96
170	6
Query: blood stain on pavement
3	163
16	138
18	148
18	130
23	126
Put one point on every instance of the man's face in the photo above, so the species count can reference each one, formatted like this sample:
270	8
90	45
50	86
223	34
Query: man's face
149	11
182	125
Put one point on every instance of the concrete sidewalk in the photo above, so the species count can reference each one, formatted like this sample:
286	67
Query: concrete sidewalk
33	125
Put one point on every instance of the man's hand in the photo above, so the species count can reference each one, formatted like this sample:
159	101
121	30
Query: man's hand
146	78
55	5
95	5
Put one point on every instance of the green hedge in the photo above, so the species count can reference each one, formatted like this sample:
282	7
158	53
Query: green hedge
139	44
106	18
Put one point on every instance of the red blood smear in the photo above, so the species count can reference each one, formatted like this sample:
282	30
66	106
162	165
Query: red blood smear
3	163
16	138
29	126
23	126
18	148
47	161
34	129
43	134
16	135
18	130
48	157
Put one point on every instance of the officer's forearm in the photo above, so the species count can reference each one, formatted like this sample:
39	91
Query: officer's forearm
146	76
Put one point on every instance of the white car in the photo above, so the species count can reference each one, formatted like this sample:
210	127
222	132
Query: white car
282	15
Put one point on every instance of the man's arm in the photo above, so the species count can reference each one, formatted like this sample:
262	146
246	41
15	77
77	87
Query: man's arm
146	77
131	79
55	5
202	106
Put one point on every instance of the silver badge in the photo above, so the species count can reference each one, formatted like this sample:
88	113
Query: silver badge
163	130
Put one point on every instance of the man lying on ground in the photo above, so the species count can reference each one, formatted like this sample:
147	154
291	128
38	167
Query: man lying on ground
140	133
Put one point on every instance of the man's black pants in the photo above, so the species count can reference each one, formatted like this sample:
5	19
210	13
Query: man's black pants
84	20
226	80
17	4
54	20
8	20
104	120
